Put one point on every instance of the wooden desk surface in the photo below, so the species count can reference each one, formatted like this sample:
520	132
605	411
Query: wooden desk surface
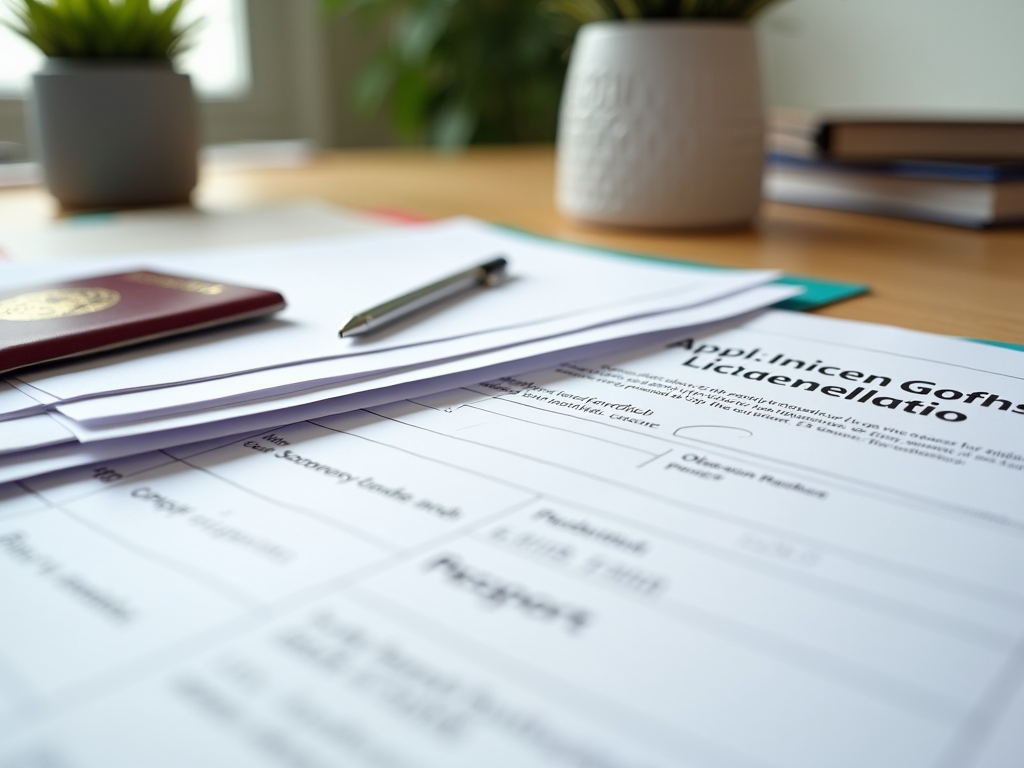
922	276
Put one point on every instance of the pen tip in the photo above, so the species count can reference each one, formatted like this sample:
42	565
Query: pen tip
353	327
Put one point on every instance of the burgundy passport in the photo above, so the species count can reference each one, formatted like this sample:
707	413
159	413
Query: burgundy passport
49	322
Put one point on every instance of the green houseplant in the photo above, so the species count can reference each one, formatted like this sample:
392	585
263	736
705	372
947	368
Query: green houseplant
661	122
117	126
460	71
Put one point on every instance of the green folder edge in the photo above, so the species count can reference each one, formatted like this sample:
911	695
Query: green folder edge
817	292
1003	344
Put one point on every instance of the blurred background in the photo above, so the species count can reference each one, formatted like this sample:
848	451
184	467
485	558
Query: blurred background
348	73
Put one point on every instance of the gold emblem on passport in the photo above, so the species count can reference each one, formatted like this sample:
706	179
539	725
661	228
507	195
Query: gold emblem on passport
176	283
58	302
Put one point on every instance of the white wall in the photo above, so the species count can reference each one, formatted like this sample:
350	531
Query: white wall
942	54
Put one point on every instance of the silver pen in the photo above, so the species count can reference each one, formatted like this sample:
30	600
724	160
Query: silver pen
488	273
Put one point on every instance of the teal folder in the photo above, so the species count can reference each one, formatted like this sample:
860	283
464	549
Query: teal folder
1003	344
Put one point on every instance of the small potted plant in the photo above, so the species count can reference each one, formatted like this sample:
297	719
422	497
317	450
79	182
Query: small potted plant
661	123
117	126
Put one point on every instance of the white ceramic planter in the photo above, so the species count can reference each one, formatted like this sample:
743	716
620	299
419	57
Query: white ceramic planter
661	125
116	133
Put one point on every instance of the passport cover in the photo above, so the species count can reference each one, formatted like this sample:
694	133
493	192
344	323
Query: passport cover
42	323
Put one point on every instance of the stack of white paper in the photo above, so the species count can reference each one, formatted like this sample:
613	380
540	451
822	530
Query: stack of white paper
560	301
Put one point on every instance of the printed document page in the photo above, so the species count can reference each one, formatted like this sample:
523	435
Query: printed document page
793	542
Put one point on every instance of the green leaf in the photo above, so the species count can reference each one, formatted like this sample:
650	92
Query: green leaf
375	82
411	98
453	124
419	30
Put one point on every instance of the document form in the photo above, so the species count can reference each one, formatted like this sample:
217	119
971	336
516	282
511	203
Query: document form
793	542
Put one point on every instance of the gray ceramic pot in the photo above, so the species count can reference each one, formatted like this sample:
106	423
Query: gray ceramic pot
116	133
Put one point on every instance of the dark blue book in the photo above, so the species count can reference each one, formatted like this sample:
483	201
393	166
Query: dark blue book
966	194
913	169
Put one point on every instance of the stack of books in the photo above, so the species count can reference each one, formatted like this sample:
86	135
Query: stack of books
965	172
